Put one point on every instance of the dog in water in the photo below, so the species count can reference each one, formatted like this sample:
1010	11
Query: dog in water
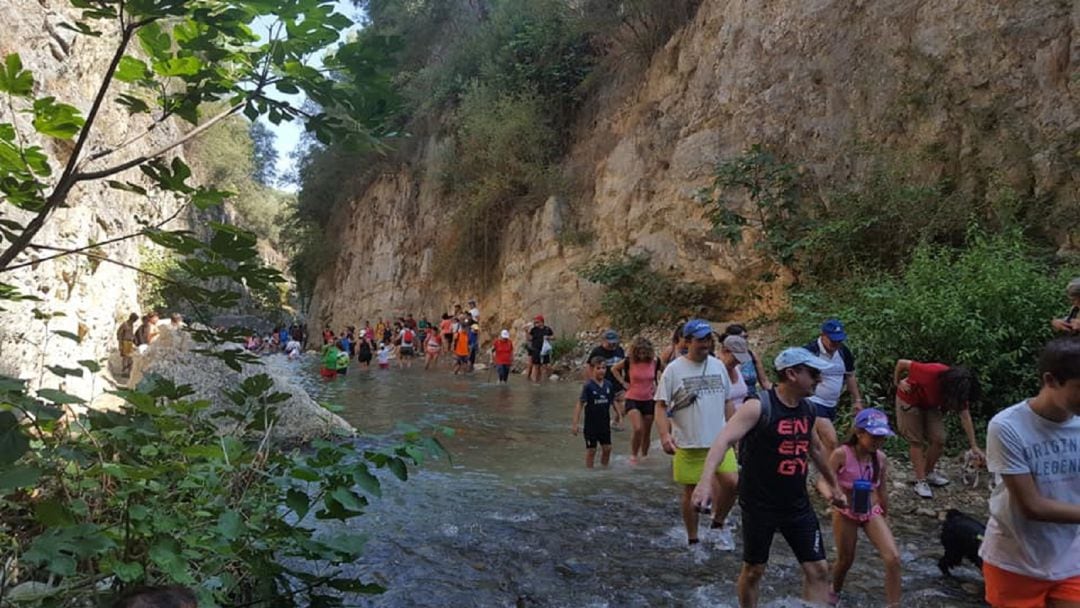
961	536
974	467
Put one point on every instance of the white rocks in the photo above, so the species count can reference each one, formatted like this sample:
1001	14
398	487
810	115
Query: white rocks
299	418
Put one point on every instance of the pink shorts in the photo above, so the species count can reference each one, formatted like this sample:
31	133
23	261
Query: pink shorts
875	511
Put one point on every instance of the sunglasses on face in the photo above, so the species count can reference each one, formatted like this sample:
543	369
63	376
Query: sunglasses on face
815	374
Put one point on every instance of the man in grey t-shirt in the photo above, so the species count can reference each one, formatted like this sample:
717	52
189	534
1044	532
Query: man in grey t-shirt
1031	550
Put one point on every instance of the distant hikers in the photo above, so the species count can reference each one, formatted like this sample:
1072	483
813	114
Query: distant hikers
147	331
125	335
502	355
537	337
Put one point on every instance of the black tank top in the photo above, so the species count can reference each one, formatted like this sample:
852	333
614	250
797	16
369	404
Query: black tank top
775	456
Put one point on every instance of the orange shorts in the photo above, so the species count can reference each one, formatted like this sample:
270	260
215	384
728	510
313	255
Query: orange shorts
1006	589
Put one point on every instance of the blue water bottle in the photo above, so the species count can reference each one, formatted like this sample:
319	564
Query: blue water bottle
860	496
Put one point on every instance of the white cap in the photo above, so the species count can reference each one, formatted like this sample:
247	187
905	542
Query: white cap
505	334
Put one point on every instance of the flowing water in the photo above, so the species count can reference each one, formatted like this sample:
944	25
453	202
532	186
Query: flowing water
515	519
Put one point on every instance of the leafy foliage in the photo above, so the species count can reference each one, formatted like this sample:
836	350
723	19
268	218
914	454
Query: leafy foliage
155	493
196	54
772	188
635	295
986	306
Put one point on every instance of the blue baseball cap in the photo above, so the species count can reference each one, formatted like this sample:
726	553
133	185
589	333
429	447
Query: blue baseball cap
834	330
611	335
697	328
797	355
873	421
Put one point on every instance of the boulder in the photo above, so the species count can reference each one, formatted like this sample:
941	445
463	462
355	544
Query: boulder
171	356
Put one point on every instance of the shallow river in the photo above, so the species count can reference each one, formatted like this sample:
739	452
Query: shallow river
514	518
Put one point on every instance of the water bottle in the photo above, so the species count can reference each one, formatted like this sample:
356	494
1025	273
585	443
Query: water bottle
860	496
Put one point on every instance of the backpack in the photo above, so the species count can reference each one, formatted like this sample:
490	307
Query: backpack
407	336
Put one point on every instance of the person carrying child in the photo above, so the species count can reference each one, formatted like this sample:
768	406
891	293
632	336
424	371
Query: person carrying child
597	398
862	473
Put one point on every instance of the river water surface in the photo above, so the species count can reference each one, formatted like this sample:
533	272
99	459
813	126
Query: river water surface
514	518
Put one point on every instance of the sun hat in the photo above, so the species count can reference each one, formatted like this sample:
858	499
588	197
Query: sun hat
504	334
797	355
697	328
738	347
834	330
611	335
873	421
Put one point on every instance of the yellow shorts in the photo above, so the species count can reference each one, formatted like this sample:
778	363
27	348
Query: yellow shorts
689	462
126	348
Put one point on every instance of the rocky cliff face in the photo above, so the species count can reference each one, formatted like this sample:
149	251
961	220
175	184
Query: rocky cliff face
987	93
92	298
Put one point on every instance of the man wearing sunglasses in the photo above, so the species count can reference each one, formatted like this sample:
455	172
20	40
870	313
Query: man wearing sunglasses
777	442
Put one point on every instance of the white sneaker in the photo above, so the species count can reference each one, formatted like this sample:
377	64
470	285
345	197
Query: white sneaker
922	489
936	479
721	539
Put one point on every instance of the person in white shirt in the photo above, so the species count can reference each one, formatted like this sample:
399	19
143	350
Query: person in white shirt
1031	549
691	402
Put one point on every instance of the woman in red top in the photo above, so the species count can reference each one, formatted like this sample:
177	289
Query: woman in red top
924	392
502	351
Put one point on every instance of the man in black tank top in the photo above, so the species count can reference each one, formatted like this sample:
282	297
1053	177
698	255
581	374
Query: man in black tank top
776	442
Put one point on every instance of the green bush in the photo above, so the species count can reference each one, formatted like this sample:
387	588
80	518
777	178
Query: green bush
636	296
563	346
161	492
986	305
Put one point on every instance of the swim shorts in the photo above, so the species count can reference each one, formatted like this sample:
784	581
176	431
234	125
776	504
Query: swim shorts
647	408
1004	588
800	530
595	436
690	462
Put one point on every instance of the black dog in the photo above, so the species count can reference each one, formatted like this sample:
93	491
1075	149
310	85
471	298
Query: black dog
961	536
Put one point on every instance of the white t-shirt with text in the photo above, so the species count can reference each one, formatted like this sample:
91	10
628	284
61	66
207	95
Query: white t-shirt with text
1021	442
698	425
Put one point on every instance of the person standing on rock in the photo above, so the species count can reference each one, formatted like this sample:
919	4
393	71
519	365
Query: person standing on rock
1031	549
612	353
125	335
830	347
776	442
535	339
474	312
1070	323
691	400
924	393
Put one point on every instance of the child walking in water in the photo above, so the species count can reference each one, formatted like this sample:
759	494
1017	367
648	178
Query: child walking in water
384	355
597	399
861	470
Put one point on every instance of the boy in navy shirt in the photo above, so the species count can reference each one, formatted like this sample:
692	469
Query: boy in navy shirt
597	399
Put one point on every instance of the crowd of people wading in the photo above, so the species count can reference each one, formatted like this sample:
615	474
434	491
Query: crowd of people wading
744	430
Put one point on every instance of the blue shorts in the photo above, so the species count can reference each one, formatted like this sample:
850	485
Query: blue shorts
828	413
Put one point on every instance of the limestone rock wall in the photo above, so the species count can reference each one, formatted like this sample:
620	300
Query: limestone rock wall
986	92
93	298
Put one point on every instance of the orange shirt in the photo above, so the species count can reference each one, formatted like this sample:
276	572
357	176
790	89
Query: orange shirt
461	344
